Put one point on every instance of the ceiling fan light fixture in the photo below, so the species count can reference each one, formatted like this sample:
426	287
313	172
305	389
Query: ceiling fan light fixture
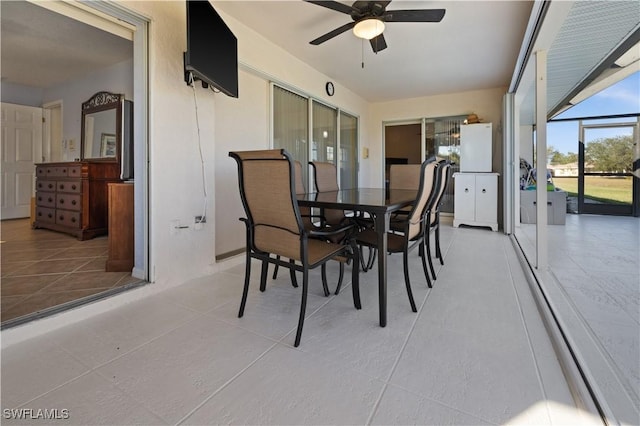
368	28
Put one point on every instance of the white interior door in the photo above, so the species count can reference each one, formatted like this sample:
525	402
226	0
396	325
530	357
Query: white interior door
21	148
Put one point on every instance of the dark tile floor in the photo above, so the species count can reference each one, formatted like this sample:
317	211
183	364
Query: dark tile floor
42	269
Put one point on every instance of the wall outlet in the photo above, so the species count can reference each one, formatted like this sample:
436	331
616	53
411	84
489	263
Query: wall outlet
199	222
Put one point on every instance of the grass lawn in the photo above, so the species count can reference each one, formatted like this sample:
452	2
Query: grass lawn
606	189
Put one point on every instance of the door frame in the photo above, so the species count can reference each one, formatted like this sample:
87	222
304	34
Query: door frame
606	209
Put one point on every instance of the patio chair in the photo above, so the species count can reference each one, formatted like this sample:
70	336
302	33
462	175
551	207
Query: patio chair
401	176
325	176
275	227
314	222
414	229
433	215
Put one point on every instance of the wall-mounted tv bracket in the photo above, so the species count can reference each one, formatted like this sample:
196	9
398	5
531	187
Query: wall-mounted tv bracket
189	78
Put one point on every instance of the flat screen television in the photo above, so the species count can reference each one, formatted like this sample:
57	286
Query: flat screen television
212	49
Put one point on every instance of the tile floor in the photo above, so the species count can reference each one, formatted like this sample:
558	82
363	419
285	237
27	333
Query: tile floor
42	269
595	260
475	353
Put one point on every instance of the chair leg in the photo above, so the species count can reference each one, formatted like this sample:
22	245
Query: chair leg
325	286
424	263
247	275
427	239
372	257
292	273
303	305
275	270
355	276
363	263
263	275
405	259
339	286
438	251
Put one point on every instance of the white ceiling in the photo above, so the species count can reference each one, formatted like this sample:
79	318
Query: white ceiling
475	46
43	49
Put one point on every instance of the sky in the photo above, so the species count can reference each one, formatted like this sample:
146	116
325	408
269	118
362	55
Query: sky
621	98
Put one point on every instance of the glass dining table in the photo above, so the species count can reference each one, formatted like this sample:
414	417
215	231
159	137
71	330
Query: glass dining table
379	204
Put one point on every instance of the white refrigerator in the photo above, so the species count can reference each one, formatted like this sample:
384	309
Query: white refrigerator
476	147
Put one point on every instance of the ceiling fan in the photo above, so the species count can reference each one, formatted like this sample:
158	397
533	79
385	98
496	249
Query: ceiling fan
369	18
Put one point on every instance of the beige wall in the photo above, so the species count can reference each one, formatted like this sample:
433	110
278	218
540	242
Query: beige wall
487	104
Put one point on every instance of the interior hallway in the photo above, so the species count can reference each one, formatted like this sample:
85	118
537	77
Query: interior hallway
475	353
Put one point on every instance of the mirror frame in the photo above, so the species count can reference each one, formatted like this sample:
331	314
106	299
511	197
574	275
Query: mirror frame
103	101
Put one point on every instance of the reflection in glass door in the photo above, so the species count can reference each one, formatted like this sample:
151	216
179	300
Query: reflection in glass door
348	151
325	135
606	184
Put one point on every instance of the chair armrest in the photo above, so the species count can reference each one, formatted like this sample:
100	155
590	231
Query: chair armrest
331	230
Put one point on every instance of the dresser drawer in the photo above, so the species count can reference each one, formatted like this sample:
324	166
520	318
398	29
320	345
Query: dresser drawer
74	171
46	185
46	199
69	186
68	201
51	171
68	218
44	214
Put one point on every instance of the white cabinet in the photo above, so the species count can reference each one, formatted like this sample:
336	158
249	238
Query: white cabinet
476	147
476	199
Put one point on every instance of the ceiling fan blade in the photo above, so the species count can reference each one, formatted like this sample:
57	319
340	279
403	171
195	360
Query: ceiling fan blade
334	5
332	34
416	15
378	43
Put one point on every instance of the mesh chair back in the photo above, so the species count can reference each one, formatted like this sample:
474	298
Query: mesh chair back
267	189
444	171
425	197
325	176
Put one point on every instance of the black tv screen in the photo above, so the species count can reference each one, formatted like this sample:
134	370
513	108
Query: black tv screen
212	49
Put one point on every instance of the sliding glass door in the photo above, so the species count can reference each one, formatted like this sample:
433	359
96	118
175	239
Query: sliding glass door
333	133
291	125
348	157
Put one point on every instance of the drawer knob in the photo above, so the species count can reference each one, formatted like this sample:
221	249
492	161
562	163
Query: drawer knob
50	215
50	199
73	219
466	190
39	214
61	200
484	190
61	217
62	186
50	186
73	186
73	202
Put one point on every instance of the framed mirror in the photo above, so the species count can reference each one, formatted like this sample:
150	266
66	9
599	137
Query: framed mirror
102	127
